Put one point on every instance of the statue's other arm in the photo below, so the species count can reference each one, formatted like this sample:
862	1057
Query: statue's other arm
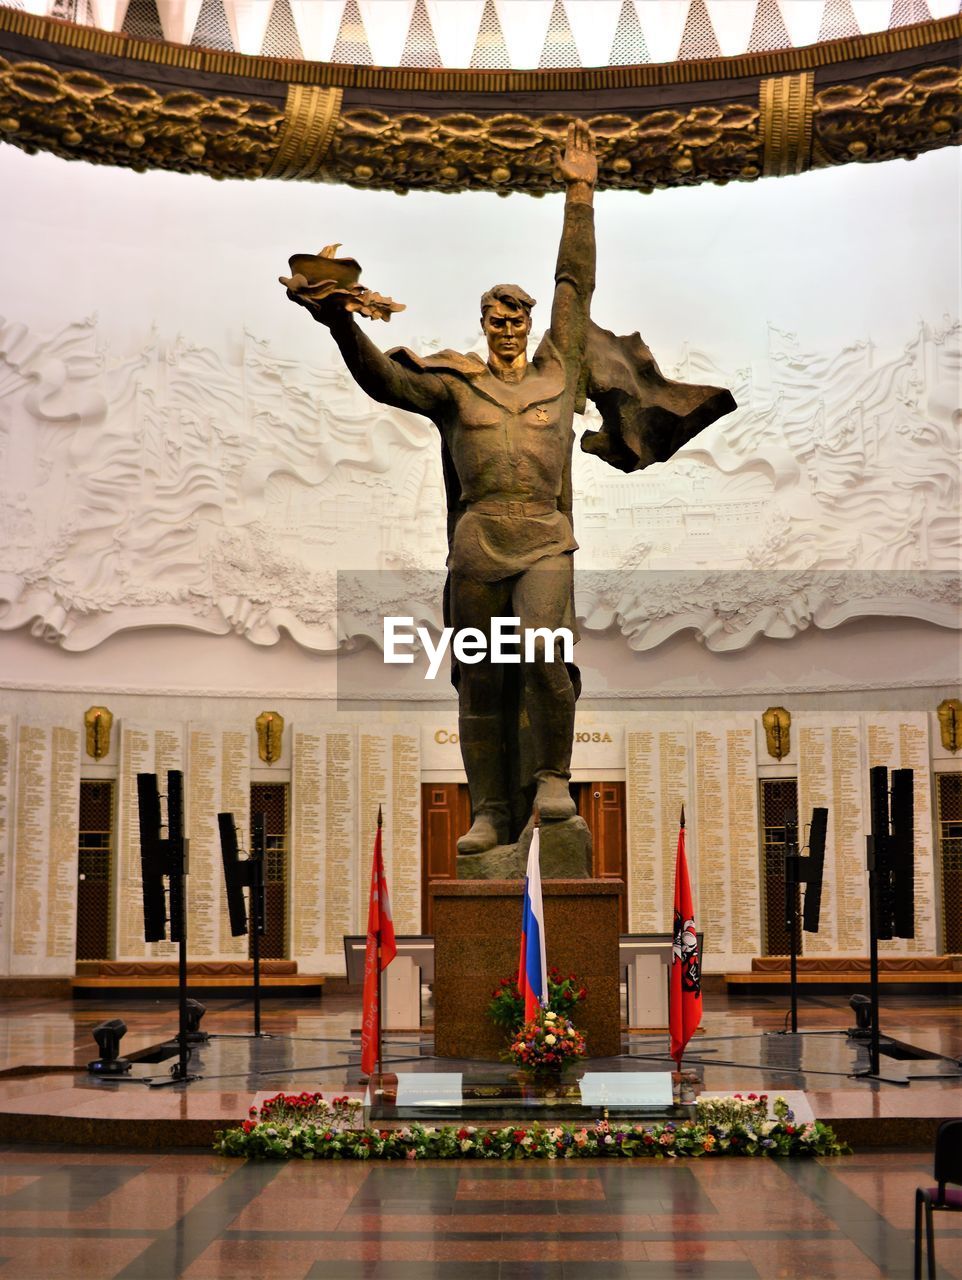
382	378
575	272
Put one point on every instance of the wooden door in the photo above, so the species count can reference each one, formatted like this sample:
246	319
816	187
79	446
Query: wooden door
445	815
602	805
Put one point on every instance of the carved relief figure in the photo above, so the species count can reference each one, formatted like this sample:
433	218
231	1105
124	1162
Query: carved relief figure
506	438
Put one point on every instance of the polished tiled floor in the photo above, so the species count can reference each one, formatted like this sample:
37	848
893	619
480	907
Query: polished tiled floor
156	1217
156	1214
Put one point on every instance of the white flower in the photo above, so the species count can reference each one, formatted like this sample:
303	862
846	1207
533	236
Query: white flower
608	1139
550	1017
550	1039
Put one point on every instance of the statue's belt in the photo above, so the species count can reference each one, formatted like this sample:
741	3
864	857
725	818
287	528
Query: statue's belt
497	507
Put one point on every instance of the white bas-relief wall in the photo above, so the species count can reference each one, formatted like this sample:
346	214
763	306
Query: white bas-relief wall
184	467
176	487
179	446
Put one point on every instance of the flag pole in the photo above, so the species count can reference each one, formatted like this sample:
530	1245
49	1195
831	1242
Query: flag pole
380	981
536	819
681	824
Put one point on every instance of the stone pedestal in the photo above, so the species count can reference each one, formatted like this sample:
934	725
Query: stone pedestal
565	855
477	937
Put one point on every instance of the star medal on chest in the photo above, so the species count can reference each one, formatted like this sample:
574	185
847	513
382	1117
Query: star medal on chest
541	414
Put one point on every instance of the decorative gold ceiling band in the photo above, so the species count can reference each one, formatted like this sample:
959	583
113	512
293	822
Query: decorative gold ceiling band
310	118
780	62
785	104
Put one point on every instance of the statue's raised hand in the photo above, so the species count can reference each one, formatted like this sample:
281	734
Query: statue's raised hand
579	162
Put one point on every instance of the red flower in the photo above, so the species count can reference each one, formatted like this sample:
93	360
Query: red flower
519	1135
248	1126
789	1128
486	1140
462	1134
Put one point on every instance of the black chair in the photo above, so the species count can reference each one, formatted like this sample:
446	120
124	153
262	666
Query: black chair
948	1168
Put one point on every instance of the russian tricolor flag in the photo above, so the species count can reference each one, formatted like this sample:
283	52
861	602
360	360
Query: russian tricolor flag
533	967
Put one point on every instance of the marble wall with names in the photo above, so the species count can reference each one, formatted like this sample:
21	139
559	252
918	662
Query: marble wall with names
43	874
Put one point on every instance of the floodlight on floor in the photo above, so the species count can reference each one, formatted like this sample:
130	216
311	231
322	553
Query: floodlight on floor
108	1036
195	1011
861	1006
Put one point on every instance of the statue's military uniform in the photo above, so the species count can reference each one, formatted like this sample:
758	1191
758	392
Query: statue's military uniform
506	450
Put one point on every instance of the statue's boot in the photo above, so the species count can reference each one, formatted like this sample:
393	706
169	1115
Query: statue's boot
483	757
553	797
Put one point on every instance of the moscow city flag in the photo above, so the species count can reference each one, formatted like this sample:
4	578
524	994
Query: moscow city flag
381	950
532	966
684	1002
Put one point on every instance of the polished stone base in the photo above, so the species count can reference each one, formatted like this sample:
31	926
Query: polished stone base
489	1096
47	1095
565	855
477	934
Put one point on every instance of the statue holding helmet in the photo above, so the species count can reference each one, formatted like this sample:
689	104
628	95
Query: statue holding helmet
506	429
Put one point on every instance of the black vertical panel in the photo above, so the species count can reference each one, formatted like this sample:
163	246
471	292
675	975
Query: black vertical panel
903	852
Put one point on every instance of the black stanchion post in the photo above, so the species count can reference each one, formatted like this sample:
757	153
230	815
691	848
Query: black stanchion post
250	919
177	873
873	926
791	909
257	908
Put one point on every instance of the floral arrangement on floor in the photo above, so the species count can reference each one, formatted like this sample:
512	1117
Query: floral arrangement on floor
506	1009
307	1127
546	1044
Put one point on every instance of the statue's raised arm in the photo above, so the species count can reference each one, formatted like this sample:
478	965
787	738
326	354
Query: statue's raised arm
577	167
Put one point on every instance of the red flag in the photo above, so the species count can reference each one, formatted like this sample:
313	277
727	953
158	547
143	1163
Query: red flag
381	950
684	1005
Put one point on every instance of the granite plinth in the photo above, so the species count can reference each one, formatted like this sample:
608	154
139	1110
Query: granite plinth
565	854
477	932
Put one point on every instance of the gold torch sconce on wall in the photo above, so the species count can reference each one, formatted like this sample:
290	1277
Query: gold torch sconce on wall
777	723
98	722
270	736
949	712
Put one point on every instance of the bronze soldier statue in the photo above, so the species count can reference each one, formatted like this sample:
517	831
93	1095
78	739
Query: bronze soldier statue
506	438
